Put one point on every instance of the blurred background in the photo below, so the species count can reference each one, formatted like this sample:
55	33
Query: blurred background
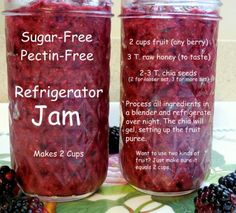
226	64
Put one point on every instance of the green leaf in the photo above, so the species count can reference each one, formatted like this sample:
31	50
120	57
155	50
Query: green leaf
142	206
183	204
85	206
217	159
139	209
113	190
100	206
122	200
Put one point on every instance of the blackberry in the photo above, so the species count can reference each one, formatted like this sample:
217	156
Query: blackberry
229	181
26	205
114	137
7	181
4	206
11	201
8	186
215	199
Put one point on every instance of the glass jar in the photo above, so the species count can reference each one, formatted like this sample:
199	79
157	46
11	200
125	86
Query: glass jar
58	56
169	50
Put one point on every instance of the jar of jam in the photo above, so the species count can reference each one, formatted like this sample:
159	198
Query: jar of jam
169	50
58	56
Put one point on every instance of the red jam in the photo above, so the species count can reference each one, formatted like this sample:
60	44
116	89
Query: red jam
168	83
58	71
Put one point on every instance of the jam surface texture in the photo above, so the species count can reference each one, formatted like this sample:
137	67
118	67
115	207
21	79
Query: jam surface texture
168	82
58	71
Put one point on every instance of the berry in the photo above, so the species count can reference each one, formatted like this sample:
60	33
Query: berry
4	206
215	199
229	181
7	181
218	198
11	201
26	205
8	186
114	136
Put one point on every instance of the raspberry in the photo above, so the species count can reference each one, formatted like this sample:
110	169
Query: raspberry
114	137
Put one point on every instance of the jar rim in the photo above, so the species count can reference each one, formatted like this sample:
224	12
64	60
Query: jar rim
13	7
206	9
101	14
178	2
